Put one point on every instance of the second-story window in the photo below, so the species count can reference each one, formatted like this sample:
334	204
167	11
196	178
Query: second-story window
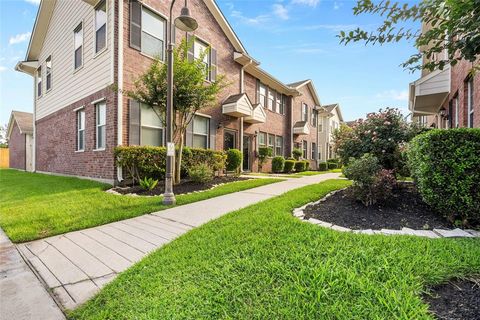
271	100
314	118
262	94
320	125
200	50
470	102
101	26
153	34
101	124
304	112
78	46
48	78
39	81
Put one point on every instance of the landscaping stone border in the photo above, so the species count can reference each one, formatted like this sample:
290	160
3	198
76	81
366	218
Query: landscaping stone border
435	233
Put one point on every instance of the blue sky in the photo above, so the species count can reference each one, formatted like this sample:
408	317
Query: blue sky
293	40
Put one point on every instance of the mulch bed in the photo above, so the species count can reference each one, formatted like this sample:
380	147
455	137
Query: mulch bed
186	186
404	209
457	299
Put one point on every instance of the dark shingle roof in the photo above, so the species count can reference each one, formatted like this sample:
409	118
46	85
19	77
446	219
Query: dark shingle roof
234	98
298	83
300	124
330	107
24	121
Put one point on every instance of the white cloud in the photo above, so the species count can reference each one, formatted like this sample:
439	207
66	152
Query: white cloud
35	2
310	3
2	68
280	11
247	20
19	38
336	5
393	95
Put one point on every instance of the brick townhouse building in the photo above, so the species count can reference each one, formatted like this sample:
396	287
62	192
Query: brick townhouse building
448	98
79	50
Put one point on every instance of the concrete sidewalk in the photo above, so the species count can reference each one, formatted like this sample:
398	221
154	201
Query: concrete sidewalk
75	265
22	296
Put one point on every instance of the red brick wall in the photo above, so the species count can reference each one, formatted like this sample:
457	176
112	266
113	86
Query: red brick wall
57	138
459	75
16	145
305	97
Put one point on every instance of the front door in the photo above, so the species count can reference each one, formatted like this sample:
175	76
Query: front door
246	153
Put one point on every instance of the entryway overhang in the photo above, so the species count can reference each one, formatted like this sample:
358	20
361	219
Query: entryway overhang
258	115
427	94
238	106
301	128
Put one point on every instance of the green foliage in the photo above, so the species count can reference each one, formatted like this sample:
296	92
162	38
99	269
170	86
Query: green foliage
278	164
263	154
148	183
332	165
200	173
234	159
299	166
459	20
289	165
445	164
371	183
307	165
297	153
323	166
381	134
139	162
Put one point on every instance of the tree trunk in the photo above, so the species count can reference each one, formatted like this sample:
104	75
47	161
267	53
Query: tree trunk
178	160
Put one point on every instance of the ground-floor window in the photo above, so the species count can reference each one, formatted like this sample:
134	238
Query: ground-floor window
271	142
279	146
80	130
262	139
470	102
229	139
314	147
101	124
305	149
201	131
151	126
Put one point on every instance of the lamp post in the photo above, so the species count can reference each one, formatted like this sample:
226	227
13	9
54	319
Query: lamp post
185	23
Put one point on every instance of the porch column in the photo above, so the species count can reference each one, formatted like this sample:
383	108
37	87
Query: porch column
241	143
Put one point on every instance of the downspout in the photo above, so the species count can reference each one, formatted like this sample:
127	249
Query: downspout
242	90
318	140
119	82
34	151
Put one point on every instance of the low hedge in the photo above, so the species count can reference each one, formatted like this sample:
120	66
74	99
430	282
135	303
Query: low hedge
139	162
445	165
234	159
299	166
289	165
277	164
307	165
322	166
332	165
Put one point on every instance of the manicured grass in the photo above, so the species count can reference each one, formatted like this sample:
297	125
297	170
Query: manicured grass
262	263
295	174
35	205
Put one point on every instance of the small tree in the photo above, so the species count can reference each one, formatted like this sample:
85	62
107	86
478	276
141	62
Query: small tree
3	136
190	92
263	154
297	153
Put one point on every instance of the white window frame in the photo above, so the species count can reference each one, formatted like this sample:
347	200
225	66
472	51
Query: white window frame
79	114
207	135
470	102
313	147
271	145
456	111
97	52
39	82
265	143
100	145
78	29
48	72
277	145
151	127
304	112
262	97
164	21
305	149
207	61
271	99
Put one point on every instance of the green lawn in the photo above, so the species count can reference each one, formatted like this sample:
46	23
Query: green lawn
294	174
36	205
262	263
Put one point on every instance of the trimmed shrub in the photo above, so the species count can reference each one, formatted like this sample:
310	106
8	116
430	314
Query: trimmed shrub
371	183
299	166
445	164
297	153
200	173
234	159
334	160
148	183
139	162
332	165
289	165
307	165
278	164
322	166
263	154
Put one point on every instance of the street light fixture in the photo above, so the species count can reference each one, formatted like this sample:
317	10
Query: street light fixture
185	23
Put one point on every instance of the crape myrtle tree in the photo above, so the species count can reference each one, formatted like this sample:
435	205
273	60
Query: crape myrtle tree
453	26
191	92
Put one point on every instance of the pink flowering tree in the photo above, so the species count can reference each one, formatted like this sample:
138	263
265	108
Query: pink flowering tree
382	134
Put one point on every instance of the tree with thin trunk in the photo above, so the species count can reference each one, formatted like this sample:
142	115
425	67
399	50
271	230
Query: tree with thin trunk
191	92
452	27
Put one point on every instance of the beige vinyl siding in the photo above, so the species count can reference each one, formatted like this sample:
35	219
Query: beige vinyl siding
70	85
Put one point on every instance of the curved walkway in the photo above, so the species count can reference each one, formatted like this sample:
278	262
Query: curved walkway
75	265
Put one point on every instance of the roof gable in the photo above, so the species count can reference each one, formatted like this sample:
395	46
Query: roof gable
24	121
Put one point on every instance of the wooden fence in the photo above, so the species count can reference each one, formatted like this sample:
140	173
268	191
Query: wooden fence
4	157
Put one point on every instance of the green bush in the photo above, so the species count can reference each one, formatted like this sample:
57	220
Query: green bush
139	162
234	159
278	164
322	166
334	160
371	183
299	166
332	165
445	164
263	154
307	165
148	183
200	173
289	165
297	153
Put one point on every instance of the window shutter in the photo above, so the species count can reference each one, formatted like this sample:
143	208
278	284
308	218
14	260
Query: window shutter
134	123
213	64
135	24
189	135
213	134
191	44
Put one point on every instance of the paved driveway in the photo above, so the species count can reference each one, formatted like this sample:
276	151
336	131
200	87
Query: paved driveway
75	265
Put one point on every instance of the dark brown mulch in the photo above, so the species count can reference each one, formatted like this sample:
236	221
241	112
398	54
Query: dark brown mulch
186	186
455	300
404	209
